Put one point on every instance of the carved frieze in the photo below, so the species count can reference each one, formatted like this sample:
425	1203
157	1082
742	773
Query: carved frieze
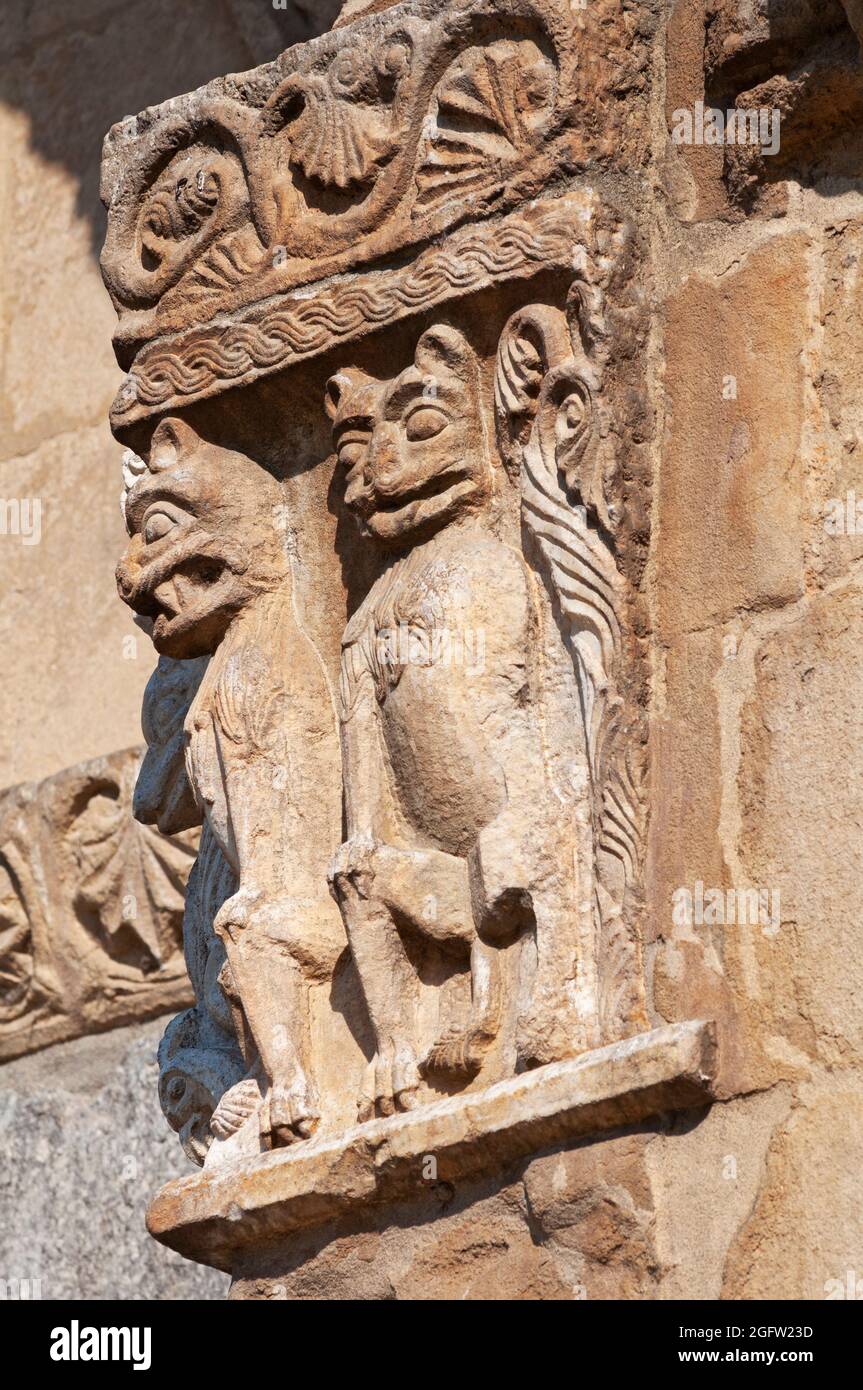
91	907
355	148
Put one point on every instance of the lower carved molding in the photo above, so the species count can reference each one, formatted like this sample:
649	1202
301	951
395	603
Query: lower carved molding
244	1205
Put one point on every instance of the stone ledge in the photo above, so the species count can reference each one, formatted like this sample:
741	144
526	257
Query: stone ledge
209	1217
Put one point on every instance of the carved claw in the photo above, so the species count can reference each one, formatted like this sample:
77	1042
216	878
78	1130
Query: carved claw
289	1115
457	1054
391	1084
235	1107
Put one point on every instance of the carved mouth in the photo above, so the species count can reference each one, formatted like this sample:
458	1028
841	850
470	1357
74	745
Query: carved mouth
191	606
184	591
195	1138
447	484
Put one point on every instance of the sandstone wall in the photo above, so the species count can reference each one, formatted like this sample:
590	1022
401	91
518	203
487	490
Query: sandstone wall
756	614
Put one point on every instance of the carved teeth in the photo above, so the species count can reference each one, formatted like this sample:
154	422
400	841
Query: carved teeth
167	597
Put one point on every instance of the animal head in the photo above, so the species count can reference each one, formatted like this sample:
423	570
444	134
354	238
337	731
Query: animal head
207	536
194	1074
413	448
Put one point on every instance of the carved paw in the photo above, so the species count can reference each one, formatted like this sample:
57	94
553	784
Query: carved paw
458	1054
351	860
426	890
236	914
235	1107
290	1113
391	1083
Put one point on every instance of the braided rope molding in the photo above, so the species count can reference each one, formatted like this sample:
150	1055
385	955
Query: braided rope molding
204	361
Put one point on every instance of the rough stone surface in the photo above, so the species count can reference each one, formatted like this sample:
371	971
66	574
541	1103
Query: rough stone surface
81	1135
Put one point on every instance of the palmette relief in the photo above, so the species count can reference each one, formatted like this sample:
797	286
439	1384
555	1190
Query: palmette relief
497	802
208	564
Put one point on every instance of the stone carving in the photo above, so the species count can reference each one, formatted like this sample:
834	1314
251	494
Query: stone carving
490	111
91	907
488	801
200	1057
209	566
386	528
308	324
342	124
366	142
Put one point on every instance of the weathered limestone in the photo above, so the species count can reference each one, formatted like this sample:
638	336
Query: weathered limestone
215	1218
481	438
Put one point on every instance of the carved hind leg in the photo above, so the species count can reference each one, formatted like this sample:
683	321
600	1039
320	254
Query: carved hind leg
390	988
460	1052
275	1003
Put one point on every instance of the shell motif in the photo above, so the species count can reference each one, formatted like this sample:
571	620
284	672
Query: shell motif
340	145
343	123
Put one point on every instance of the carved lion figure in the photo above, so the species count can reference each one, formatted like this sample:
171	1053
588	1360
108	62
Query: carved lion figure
209	565
473	784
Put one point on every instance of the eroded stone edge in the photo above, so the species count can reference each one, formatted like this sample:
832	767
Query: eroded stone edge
209	1217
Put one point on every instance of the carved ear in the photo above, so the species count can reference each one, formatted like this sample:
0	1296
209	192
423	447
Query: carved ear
334	390
568	434
534	342
172	440
342	385
573	422
443	349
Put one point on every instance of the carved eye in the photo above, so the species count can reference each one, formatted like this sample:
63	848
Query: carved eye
425	422
157	525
